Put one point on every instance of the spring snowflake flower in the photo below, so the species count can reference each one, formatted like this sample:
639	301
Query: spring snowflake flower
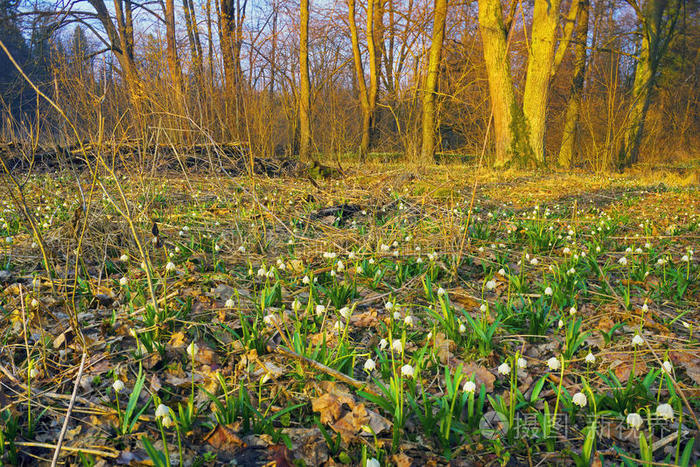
397	345
590	358
241	249
124	258
665	411
306	280
170	266
462	328
34	372
635	420
345	312
579	399
359	270
230	303
269	319
685	258
340	267
118	386
162	411
490	285
370	365
572	310
123	281
408	320
667	366
441	292
388	305
483	307
661	262
522	363
645	307
383	344
384	247
397	315
548	291
566	250
534	261
553	364
637	340
469	387
504	369
560	324
320	309
192	349
407	370
167	421
501	272
372	463
329	255
623	261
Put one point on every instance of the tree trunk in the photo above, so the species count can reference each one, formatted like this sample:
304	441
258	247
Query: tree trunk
431	82
171	48
493	37
374	31
305	83
567	151
539	68
360	79
193	37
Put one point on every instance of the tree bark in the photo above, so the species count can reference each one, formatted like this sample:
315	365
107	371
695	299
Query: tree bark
567	151
431	82
171	47
305	83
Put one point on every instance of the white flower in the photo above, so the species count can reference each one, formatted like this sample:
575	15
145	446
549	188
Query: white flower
408	320
340	267
483	307
359	269
501	272
566	250
241	249
534	261
469	387
388	305
124	258
217	247
118	386
504	368
667	366
372	463
296	305
384	247
170	266
635	420
329	255
262	271
34	372
407	370
553	364
548	291
579	399
370	365
320	309
661	261
684	258
462	328
622	261
590	358
344	312
383	343
441	292
230	303
572	310
397	315
490	285
665	411
637	340
560	324
397	345
645	307
306	280
162	411
123	281
352	255
192	349
269	319
167	421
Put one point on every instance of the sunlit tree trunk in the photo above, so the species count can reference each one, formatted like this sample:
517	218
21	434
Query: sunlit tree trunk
305	83
431	82
503	104
539	68
360	79
171	47
567	150
374	29
193	37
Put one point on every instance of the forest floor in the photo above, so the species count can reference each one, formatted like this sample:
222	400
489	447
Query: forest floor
393	316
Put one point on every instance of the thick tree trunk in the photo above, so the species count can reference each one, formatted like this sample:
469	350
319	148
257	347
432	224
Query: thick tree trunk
374	37
567	151
171	47
503	104
193	37
431	82
305	84
539	69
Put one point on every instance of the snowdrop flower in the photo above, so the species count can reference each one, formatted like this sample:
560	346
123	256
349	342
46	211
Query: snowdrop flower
123	281
162	411
407	370
504	368
590	358
635	420
469	387
548	291
637	340
118	386
553	364
344	312
522	363
383	344
397	345
320	309
192	349
408	320
665	411
623	261
579	399
490	285
230	303
667	366
124	258
370	365
170	266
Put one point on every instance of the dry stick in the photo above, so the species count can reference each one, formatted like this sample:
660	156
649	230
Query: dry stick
70	409
95	452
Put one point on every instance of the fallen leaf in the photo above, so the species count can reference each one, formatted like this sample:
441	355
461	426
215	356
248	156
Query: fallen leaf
225	438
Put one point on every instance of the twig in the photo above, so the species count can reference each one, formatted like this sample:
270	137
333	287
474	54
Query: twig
70	409
95	452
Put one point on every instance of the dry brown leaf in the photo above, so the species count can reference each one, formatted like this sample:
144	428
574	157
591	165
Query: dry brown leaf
481	375
365	320
622	367
225	438
690	361
177	340
401	460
